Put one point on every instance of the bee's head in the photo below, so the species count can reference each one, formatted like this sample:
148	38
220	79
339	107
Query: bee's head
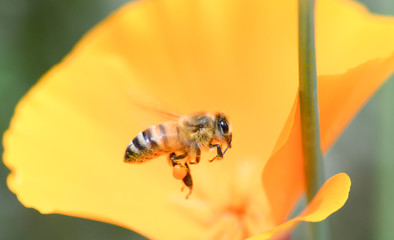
223	131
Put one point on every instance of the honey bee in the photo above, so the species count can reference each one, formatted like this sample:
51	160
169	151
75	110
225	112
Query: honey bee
183	141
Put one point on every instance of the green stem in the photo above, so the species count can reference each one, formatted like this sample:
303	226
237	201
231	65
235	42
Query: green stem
309	109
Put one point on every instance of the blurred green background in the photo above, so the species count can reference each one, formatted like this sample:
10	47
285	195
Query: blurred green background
36	34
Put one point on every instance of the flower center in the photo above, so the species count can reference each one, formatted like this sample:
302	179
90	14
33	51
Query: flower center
242	212
237	222
228	204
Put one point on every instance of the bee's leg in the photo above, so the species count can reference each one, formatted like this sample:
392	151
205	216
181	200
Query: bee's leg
197	152
187	180
175	159
219	152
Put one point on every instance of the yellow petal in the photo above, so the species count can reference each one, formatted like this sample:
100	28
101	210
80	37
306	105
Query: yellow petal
65	149
347	35
331	197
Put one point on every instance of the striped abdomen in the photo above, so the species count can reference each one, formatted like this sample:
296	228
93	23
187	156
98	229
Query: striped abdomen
153	142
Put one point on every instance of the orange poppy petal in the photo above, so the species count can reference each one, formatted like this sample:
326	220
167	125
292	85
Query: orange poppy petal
347	35
340	97
352	38
330	198
283	175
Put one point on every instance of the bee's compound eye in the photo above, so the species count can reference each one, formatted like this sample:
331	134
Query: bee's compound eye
224	126
179	172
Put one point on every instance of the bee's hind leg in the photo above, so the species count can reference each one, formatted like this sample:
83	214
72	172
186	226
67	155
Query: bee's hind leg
178	165
175	160
187	180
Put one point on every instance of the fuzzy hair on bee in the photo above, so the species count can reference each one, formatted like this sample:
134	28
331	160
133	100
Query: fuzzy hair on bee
182	140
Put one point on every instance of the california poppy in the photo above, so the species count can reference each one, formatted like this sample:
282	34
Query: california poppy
66	140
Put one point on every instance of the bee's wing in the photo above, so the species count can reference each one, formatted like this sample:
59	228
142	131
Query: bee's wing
153	105
161	112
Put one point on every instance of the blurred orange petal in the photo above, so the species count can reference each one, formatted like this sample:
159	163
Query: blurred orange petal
330	198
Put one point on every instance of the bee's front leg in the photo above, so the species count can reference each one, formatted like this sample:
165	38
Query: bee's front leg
219	152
